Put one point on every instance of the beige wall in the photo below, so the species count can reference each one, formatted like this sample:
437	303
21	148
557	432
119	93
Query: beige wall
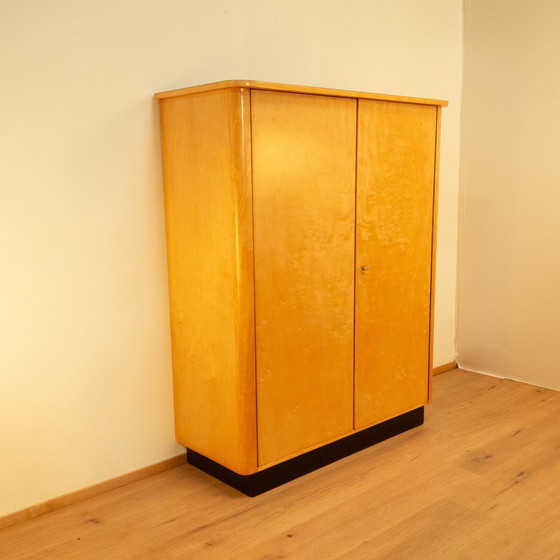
509	265
84	343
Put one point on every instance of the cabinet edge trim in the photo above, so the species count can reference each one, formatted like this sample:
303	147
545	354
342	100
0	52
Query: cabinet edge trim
269	86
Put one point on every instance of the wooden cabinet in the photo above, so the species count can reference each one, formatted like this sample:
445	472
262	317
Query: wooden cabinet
301	241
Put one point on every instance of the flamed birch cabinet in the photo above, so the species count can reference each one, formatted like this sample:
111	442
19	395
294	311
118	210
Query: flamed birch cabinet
301	240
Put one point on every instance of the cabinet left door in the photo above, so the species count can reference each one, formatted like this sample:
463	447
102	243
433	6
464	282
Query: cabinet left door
206	156
304	166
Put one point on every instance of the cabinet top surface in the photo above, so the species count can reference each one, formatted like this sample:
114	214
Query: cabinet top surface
250	84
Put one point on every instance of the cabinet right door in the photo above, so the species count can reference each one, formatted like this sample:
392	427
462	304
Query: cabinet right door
394	236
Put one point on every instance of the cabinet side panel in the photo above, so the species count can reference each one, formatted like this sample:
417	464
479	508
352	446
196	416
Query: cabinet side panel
395	206
304	194
208	220
434	251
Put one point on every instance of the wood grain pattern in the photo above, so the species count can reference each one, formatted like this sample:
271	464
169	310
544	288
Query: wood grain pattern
394	220
303	182
481	479
206	159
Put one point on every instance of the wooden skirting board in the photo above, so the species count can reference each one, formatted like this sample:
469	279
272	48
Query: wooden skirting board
79	495
445	367
90	491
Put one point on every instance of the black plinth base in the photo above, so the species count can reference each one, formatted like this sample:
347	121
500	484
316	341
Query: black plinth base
262	481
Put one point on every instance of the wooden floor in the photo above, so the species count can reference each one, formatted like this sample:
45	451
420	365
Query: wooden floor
480	480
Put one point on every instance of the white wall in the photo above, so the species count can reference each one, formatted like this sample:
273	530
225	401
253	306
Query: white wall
509	296
84	342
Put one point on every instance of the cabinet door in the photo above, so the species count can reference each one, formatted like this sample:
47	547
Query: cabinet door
303	201
395	210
